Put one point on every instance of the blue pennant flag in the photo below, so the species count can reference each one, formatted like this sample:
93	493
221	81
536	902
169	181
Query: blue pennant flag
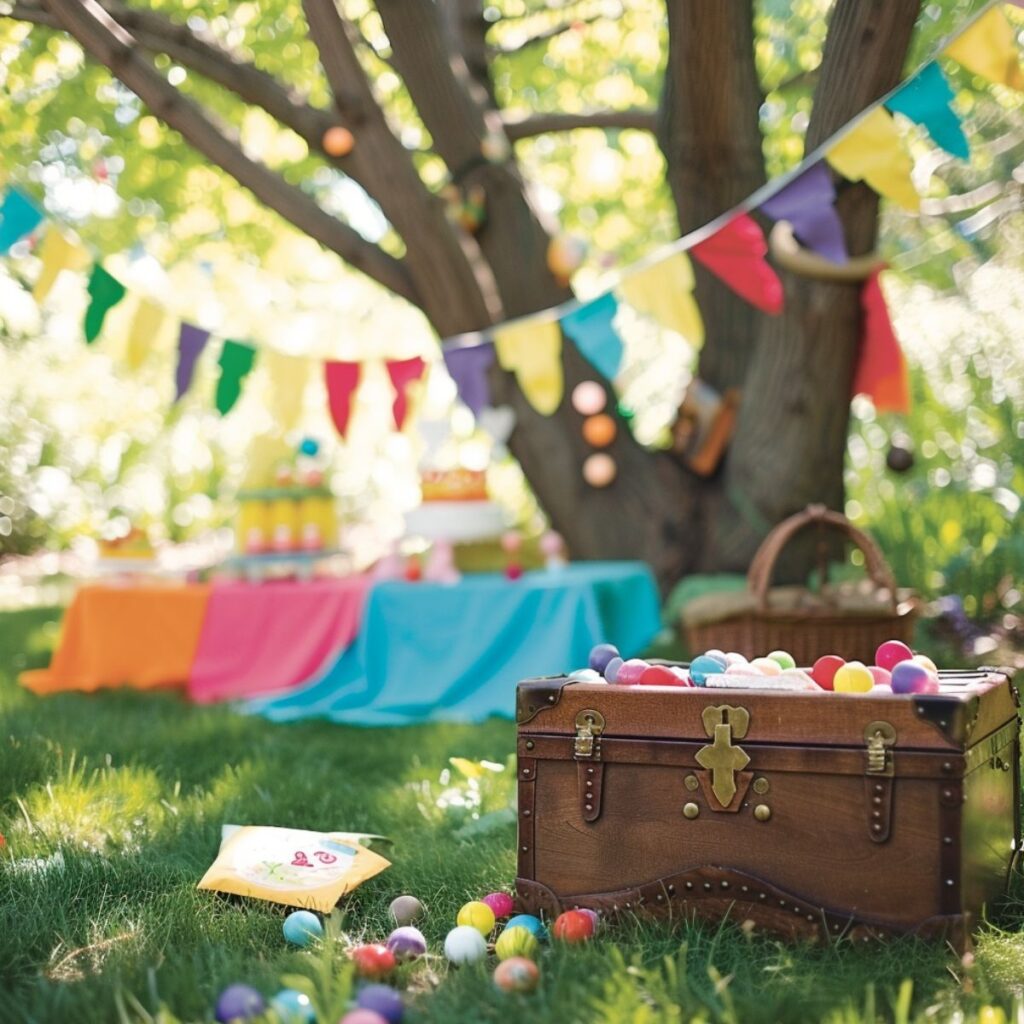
18	216
926	99
590	327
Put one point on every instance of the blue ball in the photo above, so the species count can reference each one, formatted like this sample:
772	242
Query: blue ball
382	999
611	670
309	446
239	1002
302	927
702	667
601	655
528	921
293	1007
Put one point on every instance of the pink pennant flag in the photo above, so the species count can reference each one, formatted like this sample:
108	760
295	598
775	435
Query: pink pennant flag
342	381
402	373
736	253
881	372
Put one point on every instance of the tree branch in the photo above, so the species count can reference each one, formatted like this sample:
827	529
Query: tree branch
530	125
110	43
549	33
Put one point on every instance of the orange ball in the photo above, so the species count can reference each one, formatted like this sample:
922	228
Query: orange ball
599	431
573	926
338	141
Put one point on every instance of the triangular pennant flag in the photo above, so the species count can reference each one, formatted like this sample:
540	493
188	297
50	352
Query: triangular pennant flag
881	372
105	292
590	327
874	152
288	377
236	360
342	380
191	342
468	367
736	253
57	253
402	373
532	350
926	100
145	326
806	204
989	48
18	216
664	292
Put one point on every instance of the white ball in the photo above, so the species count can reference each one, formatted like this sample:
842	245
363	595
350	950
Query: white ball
587	675
465	945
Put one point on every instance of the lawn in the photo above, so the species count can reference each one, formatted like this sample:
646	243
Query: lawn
132	790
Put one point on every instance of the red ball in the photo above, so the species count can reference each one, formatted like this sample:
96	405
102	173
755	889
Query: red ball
891	653
513	571
660	675
374	961
573	926
825	669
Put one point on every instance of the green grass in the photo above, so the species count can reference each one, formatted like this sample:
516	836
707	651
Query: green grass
132	789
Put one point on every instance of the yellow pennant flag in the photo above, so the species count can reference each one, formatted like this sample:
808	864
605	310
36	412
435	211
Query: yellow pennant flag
287	377
989	48
533	352
874	152
664	292
143	331
57	253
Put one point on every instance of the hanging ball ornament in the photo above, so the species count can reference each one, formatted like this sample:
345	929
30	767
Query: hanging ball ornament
566	254
338	141
599	431
588	398
599	470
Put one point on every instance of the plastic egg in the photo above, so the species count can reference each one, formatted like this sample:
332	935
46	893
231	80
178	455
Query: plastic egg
891	653
853	677
293	1007
923	659
500	903
599	431
301	927
516	941
586	675
465	945
734	658
517	974
881	676
532	924
825	669
382	999
913	677
783	658
660	675
573	926
477	915
407	943
717	655
373	961
362	1016
631	671
611	670
406	909
600	655
239	1002
767	666
702	667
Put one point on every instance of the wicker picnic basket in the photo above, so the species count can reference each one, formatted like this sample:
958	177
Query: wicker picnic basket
850	622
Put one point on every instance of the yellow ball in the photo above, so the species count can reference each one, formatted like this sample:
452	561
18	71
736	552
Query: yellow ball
477	915
923	659
517	942
853	677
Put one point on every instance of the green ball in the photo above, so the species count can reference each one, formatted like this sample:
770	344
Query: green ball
517	942
783	659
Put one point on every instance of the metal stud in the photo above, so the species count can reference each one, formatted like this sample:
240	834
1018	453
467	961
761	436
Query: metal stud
690	810
879	787
947	840
947	766
761	785
762	812
707	887
691	782
671	890
689	885
527	813
724	884
660	898
762	896
876	800
745	888
590	771
530	744
950	882
551	699
524	848
589	807
526	771
589	784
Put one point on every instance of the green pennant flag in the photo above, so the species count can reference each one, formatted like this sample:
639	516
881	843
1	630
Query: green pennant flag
236	360
105	292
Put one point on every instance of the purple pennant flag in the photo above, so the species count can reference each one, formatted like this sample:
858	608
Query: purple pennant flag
807	203
191	342
468	368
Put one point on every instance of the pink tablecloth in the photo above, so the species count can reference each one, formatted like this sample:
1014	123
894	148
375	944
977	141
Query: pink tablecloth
258	638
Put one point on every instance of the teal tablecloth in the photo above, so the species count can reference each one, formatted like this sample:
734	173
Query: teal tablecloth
437	652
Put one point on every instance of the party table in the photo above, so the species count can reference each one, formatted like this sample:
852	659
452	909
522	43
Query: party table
454	652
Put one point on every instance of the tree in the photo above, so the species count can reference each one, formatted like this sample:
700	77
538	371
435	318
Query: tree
795	369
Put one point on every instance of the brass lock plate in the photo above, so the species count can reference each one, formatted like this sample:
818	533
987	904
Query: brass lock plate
589	727
880	738
722	758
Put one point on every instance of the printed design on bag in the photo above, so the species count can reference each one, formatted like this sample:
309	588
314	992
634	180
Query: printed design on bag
320	862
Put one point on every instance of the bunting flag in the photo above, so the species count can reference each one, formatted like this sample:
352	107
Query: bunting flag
146	324
18	216
236	361
926	100
736	254
532	350
342	380
806	204
874	152
664	292
881	367
402	373
288	376
468	367
989	48
105	292
57	253
591	328
191	342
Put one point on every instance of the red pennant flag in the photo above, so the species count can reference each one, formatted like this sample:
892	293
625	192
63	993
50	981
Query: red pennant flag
736	253
402	373
342	381
881	368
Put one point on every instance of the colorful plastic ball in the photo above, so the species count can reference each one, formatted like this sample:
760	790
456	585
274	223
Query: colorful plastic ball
573	926
382	999
517	974
588	398
465	945
592	914
406	909
923	659
338	141
239	1002
516	941
599	469
500	903
301	927
407	943
309	446
734	658
600	655
585	675
716	655
825	669
373	961
293	1007
611	670
766	667
853	677
532	924
660	675
631	671
783	658
891	653
881	676
599	431
477	915
702	667
913	677
362	1016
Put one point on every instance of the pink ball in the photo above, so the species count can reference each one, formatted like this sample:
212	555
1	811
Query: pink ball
882	676
362	1016
631	671
891	653
910	677
500	902
659	675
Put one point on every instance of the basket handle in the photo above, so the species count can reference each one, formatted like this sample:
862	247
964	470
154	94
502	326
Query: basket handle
762	566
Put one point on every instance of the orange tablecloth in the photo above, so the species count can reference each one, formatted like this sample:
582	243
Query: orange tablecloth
140	635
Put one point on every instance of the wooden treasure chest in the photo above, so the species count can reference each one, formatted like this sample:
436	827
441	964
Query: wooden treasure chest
809	814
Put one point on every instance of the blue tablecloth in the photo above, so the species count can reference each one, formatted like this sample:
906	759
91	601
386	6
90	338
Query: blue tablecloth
436	652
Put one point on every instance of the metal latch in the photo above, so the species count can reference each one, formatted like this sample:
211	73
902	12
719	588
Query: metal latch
880	738
722	758
589	727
